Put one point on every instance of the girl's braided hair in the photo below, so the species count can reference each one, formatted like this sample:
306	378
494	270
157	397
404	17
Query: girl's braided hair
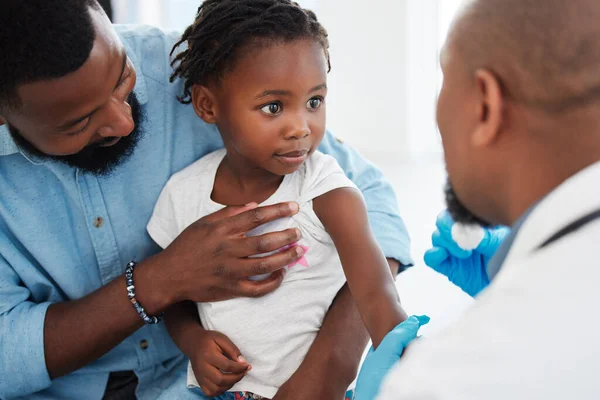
224	28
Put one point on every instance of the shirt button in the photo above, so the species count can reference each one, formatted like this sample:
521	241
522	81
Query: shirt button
98	222
144	344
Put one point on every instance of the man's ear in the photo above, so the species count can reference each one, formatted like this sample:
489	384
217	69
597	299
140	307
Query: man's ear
490	113
204	103
2	120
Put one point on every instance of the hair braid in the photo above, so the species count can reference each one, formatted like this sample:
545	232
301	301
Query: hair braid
224	28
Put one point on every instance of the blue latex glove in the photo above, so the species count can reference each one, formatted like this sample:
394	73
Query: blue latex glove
379	362
467	269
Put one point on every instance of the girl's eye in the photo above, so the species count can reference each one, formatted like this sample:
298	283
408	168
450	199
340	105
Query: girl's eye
272	109
314	103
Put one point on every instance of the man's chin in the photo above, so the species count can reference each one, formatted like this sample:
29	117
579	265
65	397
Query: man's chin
103	159
459	212
100	158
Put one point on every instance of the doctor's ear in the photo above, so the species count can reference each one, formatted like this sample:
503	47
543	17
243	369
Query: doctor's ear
490	112
204	103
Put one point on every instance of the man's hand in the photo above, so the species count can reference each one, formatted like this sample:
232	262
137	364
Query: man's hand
379	362
463	257
209	261
217	363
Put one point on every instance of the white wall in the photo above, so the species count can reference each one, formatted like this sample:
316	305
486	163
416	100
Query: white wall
386	75
367	101
423	85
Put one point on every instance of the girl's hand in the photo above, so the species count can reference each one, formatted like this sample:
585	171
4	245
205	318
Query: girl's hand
217	363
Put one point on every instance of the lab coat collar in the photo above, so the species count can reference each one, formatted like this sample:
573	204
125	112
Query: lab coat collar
574	198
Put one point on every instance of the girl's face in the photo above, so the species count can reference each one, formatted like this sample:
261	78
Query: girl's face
270	109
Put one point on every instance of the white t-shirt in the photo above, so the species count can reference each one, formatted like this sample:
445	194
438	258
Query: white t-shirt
274	332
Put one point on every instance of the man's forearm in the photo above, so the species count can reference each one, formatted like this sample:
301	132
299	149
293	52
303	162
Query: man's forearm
339	345
79	332
183	325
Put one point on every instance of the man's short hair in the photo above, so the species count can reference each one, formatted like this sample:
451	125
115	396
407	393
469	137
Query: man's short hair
40	40
545	53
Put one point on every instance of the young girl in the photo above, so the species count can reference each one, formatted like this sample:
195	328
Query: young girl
257	69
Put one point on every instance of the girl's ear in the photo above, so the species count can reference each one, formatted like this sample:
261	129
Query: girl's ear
204	103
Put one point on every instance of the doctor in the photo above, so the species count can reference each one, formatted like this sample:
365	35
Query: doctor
519	115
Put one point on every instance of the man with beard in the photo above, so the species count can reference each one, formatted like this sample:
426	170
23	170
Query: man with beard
519	116
92	130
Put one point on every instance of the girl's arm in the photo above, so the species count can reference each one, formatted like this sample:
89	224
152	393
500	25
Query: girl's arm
344	215
382	207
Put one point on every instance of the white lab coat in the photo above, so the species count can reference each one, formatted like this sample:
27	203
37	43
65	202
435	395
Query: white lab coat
534	333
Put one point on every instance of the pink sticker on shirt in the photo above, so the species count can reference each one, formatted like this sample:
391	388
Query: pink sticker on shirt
302	261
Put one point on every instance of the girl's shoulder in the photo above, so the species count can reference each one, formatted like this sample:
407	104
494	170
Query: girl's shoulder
199	172
319	163
190	188
320	174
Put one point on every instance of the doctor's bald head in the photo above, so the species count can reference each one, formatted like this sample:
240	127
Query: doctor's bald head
519	111
545	53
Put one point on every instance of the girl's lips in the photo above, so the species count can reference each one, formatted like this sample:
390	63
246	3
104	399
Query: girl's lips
293	154
293	158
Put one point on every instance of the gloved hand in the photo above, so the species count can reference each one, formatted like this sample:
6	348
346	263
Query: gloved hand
462	252
379	362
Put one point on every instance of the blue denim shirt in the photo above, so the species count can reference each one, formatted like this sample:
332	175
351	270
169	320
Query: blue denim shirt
52	251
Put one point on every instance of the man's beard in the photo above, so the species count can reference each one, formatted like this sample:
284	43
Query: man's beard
458	211
94	158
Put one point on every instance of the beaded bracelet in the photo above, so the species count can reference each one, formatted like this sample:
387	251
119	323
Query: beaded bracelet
131	294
